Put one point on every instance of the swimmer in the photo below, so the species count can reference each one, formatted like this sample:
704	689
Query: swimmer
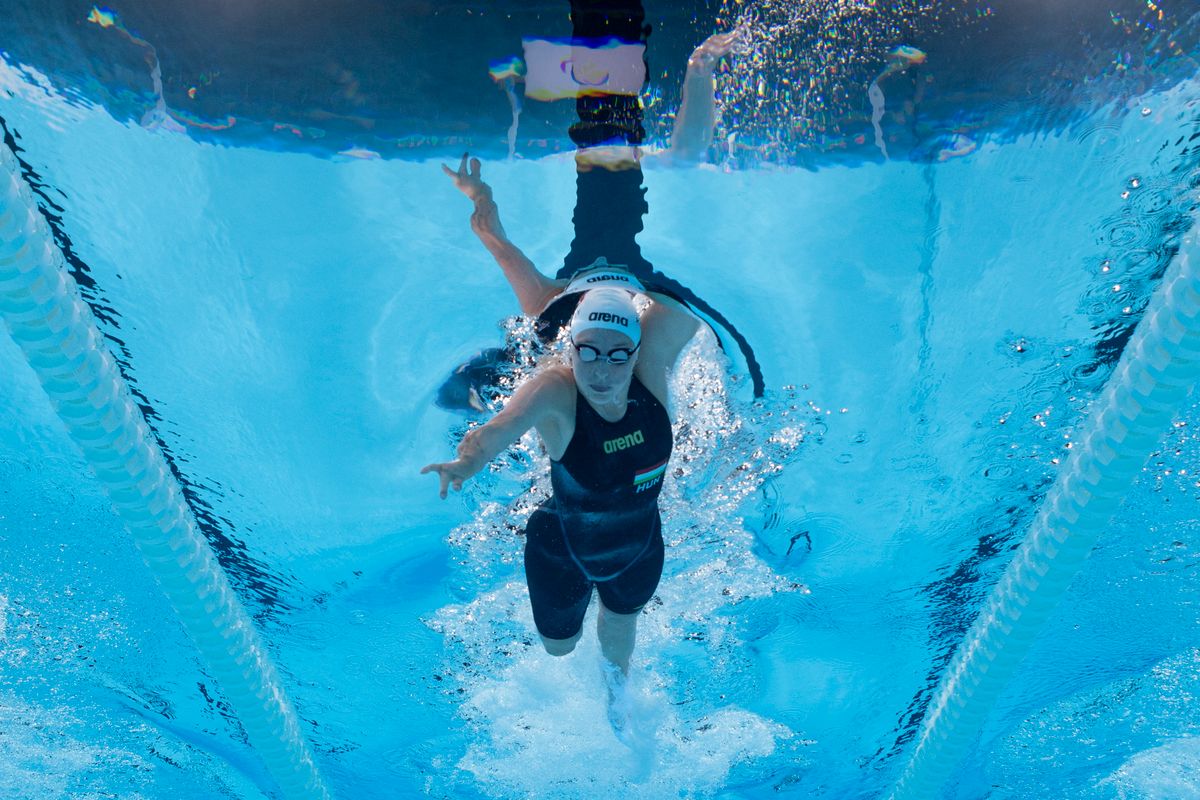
602	419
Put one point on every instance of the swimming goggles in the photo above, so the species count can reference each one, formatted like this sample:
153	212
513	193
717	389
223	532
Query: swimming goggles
618	355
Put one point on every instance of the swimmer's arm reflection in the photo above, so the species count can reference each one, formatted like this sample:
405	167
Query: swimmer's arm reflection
539	403
693	132
533	289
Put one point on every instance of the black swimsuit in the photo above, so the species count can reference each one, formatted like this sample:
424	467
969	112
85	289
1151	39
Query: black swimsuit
601	527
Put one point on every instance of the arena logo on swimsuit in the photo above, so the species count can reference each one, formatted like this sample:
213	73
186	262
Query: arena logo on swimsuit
624	442
607	277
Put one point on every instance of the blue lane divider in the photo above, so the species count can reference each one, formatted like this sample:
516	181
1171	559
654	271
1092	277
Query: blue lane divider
1157	371
48	319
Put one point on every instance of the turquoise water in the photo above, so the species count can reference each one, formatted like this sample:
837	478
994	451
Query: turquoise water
932	332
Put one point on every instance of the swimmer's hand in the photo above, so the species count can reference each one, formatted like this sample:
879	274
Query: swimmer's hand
485	221
468	181
450	473
471	458
705	57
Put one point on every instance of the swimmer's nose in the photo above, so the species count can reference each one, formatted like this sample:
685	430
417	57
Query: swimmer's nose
604	364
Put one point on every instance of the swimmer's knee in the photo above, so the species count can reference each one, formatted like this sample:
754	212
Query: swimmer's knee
611	616
560	647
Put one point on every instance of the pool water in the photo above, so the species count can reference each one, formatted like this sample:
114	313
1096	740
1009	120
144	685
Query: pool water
933	328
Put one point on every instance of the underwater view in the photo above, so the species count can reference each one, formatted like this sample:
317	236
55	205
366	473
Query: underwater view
898	304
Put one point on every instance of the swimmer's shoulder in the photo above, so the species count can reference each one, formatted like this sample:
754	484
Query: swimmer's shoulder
555	382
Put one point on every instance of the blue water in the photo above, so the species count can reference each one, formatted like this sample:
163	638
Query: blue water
932	331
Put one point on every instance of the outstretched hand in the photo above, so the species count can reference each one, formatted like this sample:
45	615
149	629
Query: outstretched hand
485	219
714	48
450	473
468	180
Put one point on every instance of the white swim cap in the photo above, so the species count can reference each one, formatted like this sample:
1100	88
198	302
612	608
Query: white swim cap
600	273
609	308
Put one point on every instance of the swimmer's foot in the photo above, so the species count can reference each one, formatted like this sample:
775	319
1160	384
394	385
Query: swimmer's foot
616	685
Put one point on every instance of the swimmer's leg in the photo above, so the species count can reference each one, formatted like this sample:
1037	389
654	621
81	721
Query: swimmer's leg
618	635
559	592
622	599
561	647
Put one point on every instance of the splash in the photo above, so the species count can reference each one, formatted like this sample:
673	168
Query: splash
545	734
1134	738
796	80
40	755
541	725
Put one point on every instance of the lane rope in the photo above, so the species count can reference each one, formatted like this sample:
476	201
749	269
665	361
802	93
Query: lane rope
49	320
1156	373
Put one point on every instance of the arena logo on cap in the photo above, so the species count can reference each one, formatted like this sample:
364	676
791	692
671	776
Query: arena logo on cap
604	316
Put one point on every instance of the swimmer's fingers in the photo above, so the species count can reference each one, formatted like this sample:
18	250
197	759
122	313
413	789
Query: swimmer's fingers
712	50
467	179
449	475
720	45
443	477
460	174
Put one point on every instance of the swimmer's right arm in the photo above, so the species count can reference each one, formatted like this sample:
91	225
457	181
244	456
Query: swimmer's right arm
537	404
533	289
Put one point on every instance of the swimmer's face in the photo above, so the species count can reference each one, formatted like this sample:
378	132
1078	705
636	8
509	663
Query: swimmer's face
601	381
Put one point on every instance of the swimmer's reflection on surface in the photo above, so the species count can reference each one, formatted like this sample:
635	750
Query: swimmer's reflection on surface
610	204
602	416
